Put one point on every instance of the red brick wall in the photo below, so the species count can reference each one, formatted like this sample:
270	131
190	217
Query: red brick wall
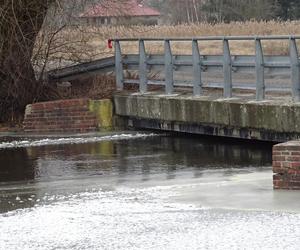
286	165
70	116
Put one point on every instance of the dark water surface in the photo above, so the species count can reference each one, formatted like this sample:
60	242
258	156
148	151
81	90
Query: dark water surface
62	168
141	191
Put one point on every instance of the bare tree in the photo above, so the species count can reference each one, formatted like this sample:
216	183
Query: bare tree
30	35
20	22
219	10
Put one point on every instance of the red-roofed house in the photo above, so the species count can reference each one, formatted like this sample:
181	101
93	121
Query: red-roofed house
122	12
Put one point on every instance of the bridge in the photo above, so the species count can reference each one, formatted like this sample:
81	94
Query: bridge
243	96
253	97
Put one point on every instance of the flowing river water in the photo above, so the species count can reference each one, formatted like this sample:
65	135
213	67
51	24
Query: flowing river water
140	190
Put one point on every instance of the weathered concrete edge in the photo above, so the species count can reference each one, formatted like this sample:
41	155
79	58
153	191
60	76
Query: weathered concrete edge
206	129
269	121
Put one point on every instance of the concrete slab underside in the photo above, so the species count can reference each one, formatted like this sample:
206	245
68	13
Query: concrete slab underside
239	118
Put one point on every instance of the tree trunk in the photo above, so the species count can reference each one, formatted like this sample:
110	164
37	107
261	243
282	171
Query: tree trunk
196	11
20	23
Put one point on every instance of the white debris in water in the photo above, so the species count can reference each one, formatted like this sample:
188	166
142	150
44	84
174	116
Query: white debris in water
72	140
144	219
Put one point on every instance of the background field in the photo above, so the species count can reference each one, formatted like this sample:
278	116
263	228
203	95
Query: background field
74	45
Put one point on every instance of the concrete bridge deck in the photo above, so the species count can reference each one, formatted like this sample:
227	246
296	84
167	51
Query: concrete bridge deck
239	117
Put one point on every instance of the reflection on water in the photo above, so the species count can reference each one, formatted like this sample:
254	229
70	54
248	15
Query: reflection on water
30	173
16	165
140	156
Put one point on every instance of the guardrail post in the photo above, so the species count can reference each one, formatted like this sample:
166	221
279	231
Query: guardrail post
227	69
169	77
197	79
119	66
143	67
260	71
295	69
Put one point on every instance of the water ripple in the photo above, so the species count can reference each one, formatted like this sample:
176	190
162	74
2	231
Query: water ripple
72	140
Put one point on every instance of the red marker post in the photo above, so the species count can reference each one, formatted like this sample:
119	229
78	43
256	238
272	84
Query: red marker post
110	43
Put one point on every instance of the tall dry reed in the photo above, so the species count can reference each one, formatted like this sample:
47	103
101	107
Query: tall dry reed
95	38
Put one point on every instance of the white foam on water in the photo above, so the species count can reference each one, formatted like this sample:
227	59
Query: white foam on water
130	218
72	140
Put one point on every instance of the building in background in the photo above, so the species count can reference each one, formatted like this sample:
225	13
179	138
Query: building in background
126	12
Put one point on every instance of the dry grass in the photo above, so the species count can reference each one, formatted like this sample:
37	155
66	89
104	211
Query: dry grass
95	87
99	36
87	43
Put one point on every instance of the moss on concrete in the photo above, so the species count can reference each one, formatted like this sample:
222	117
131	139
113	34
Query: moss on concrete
104	113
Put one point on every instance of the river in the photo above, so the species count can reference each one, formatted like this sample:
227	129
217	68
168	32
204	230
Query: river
142	190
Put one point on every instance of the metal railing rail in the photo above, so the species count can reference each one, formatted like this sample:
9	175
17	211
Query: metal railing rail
198	63
82	70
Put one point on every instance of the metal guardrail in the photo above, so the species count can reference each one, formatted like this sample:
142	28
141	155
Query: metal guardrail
82	70
197	64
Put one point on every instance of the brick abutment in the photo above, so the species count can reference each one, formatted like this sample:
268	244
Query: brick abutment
70	116
286	165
